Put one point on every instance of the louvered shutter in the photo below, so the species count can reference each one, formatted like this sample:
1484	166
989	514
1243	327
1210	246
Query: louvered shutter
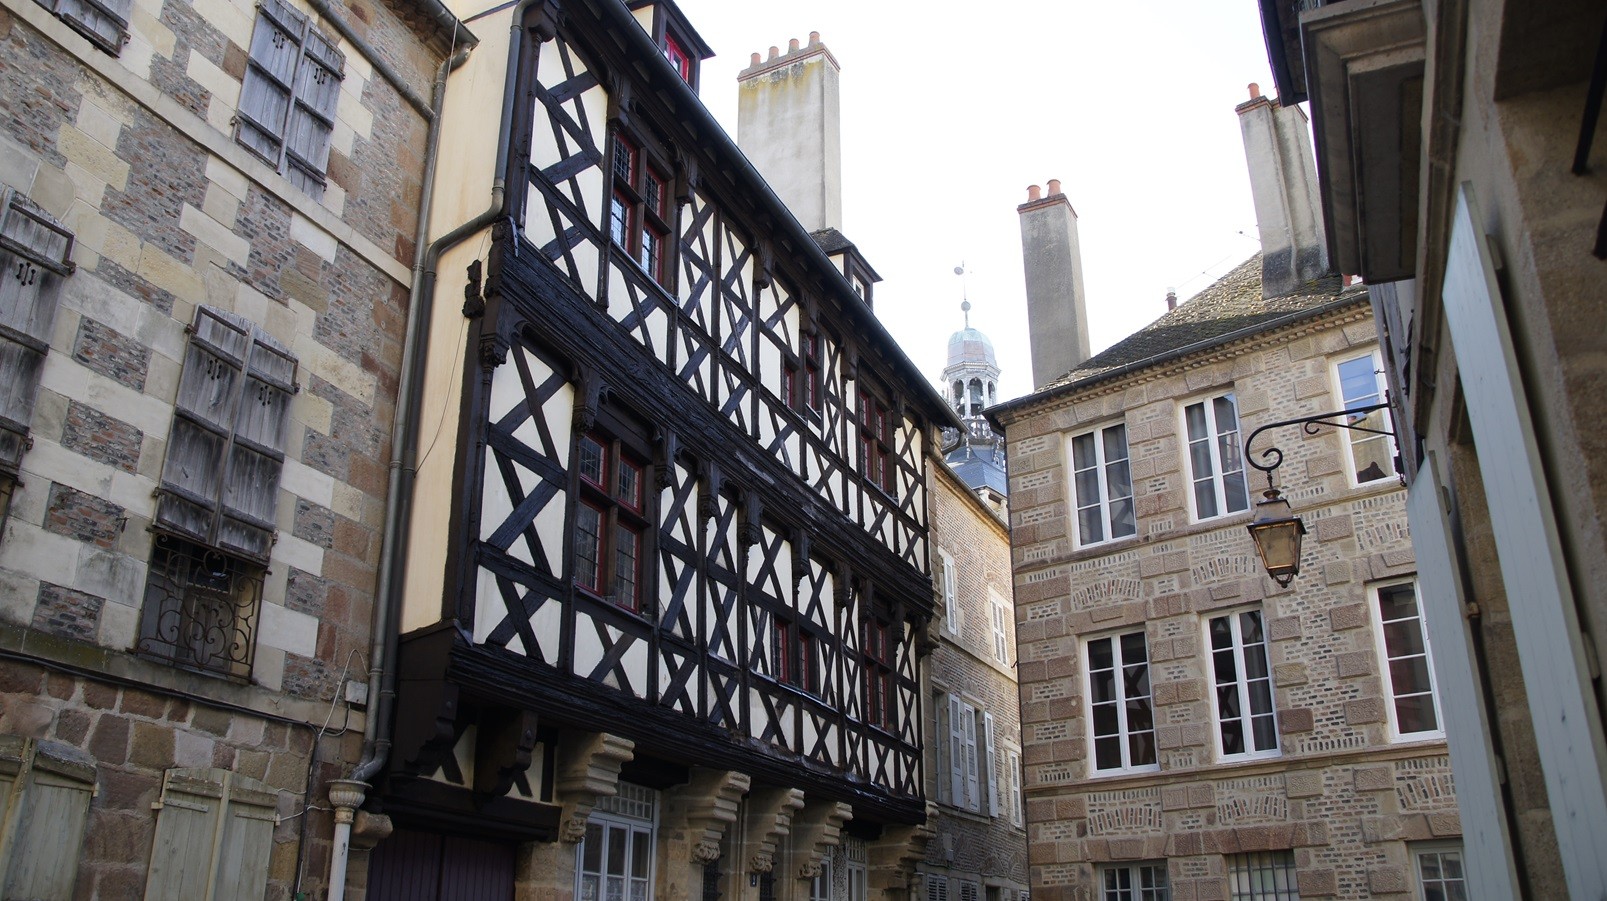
312	116
45	790
951	607
989	764
35	253
937	887
1013	764
265	93
972	785
103	22
220	482
956	753
214	834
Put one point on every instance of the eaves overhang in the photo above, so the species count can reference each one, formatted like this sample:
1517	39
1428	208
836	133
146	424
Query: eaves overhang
1280	26
1363	67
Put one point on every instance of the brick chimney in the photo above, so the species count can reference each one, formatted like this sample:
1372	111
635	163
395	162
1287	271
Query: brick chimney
1057	315
788	125
1283	180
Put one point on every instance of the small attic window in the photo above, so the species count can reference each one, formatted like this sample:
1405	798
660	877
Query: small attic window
675	38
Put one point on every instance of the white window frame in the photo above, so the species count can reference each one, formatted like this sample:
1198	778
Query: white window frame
949	584
1103	501
820	885
1419	850
1217	476
1387	675
619	815
1384	422
1122	731
1241	684
1136	890
1003	623
1012	764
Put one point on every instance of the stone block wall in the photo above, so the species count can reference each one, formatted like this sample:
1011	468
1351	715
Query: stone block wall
135	154
1340	794
989	851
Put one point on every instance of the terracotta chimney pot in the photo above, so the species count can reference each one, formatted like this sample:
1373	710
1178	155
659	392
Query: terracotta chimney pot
1034	193
1054	186
1171	300
754	61
1255	90
814	38
792	46
774	51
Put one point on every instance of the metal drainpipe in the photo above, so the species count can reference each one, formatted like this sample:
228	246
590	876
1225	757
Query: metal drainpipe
404	435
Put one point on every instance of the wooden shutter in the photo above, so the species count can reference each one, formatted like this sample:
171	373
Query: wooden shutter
265	92
312	114
103	22
1013	764
989	763
214	834
35	253
45	790
220	482
956	753
951	607
937	887
973	794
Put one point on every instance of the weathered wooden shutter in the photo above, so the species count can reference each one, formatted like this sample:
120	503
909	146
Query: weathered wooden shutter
214	834
265	92
951	606
103	22
989	764
956	753
1012	763
220	482
937	887
312	114
45	790
35	253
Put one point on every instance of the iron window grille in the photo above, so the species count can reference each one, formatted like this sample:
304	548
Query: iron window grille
1263	876
201	609
1121	715
1216	461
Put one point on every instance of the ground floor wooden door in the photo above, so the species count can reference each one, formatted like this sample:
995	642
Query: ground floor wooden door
425	866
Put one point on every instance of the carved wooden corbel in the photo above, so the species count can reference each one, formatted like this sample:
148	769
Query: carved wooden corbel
851	363
664	450
800	555
588	398
543	20
749	533
503	745
762	274
427	727
708	491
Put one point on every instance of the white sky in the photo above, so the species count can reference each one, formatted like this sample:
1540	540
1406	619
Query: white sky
950	110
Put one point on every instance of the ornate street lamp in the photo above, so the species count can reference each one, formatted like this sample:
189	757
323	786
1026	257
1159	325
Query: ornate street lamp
1276	529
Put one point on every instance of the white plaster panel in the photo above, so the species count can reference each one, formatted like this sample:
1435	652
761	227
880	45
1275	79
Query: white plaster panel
288	630
312	237
305	482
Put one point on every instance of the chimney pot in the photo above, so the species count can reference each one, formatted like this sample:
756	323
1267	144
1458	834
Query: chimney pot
814	38
792	46
1054	186
755	60
1255	90
1171	300
774	51
1034	193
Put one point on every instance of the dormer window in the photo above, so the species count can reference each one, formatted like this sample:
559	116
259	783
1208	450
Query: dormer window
668	27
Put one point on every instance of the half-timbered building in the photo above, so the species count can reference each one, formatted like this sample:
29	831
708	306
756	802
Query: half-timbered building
667	558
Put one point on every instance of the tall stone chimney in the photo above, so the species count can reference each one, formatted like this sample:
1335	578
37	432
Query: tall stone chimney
788	125
1057	315
1283	179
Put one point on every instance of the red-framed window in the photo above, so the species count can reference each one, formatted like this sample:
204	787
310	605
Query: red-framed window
678	57
795	656
875	442
801	378
878	666
610	521
639	209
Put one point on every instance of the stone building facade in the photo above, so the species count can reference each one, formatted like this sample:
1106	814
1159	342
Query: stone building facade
978	851
1192	729
208	223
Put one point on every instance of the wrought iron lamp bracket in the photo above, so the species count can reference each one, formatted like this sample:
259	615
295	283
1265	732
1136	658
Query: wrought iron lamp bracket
1311	425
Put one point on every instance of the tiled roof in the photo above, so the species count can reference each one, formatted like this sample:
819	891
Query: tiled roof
831	240
1231	304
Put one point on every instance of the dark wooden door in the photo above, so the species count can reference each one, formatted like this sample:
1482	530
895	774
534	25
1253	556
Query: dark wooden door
425	866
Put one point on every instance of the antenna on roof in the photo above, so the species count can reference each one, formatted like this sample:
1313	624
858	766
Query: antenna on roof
965	300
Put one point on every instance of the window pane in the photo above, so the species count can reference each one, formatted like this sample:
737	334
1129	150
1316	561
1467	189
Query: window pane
589	460
626	567
588	534
628	484
1122	520
1082	451
1416	714
1194	415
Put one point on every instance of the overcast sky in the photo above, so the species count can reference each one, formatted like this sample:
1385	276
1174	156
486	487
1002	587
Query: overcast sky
950	110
